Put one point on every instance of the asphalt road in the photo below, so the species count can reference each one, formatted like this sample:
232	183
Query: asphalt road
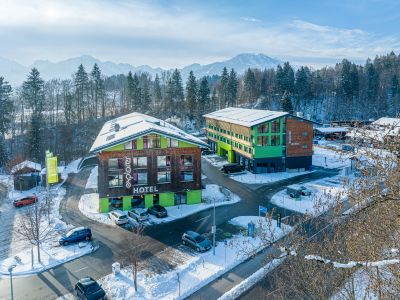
112	239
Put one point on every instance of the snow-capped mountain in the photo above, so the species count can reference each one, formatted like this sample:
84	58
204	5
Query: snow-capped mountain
16	73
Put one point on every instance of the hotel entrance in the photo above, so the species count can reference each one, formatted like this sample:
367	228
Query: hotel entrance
156	199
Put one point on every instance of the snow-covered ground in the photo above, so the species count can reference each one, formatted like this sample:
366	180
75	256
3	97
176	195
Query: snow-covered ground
324	192
92	180
356	288
329	157
13	245
89	205
215	160
195	271
251	178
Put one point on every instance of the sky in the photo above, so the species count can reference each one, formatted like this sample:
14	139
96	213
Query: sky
175	33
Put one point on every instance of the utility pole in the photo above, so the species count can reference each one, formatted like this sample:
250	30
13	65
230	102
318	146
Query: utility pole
214	229
10	269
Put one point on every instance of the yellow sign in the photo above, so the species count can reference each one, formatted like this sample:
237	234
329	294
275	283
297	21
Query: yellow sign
52	170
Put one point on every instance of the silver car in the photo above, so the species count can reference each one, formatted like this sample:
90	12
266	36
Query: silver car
139	214
119	217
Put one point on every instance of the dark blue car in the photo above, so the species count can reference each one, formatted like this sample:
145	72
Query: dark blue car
76	235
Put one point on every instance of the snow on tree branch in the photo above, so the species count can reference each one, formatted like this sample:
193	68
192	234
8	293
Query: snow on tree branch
353	264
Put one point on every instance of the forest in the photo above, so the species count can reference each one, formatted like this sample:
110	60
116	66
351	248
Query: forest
65	115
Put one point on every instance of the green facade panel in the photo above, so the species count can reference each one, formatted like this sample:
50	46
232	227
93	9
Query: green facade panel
139	143
163	141
268	151
148	200
228	148
185	145
119	147
126	203
193	197
167	199
103	205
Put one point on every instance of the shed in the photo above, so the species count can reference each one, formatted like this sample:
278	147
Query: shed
26	175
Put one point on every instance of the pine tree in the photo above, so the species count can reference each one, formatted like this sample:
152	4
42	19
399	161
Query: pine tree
250	86
203	99
223	91
33	92
136	94
6	106
81	82
191	95
129	94
3	153
35	138
98	91
287	103
157	94
233	84
146	98
285	78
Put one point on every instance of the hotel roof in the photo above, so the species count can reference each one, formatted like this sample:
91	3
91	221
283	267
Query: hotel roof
134	125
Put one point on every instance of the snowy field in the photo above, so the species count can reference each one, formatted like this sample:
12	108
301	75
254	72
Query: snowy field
251	178
195	271
13	245
89	206
324	192
330	158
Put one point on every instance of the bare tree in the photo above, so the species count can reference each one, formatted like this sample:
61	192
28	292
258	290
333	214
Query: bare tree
137	245
34	227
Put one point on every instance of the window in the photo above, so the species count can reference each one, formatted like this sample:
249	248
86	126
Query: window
115	180
262	141
262	128
163	177
275	126
163	161
151	141
186	175
138	201
172	143
140	178
139	162
131	145
180	198
274	140
113	164
305	133
305	146
186	160
284	140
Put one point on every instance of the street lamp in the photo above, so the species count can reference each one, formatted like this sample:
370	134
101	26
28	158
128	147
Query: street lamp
10	269
214	229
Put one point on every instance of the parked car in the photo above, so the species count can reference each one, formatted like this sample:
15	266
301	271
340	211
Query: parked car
25	201
76	235
119	217
207	152
347	147
88	289
295	191
232	168
158	211
139	214
196	241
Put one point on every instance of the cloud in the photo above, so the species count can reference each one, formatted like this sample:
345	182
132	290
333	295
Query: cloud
165	35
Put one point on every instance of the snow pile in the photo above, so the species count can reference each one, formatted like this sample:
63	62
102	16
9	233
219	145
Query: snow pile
92	180
72	167
196	271
89	206
251	178
215	160
324	193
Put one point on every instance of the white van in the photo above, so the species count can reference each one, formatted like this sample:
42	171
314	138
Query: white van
119	217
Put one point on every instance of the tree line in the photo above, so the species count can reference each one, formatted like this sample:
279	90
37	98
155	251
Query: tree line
65	115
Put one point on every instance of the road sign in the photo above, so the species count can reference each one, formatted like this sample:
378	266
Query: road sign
213	229
262	209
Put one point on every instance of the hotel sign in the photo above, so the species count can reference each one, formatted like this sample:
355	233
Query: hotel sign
144	189
127	172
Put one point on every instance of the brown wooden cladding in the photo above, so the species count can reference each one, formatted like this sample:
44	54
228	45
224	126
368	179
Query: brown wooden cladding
175	186
298	134
239	129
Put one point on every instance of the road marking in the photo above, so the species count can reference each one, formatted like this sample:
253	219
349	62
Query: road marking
80	269
202	219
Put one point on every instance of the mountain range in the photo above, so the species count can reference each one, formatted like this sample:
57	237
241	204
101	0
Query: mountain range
16	73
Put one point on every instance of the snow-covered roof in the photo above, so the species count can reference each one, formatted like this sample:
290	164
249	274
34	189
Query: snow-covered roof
134	125
392	122
244	116
332	129
26	164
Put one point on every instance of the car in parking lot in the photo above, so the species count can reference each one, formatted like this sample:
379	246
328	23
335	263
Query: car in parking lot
295	191
207	152
139	214
26	200
76	235
158	211
195	241
232	168
88	289
118	217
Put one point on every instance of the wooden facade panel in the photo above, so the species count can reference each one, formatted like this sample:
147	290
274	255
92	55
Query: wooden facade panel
299	138
175	186
245	131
